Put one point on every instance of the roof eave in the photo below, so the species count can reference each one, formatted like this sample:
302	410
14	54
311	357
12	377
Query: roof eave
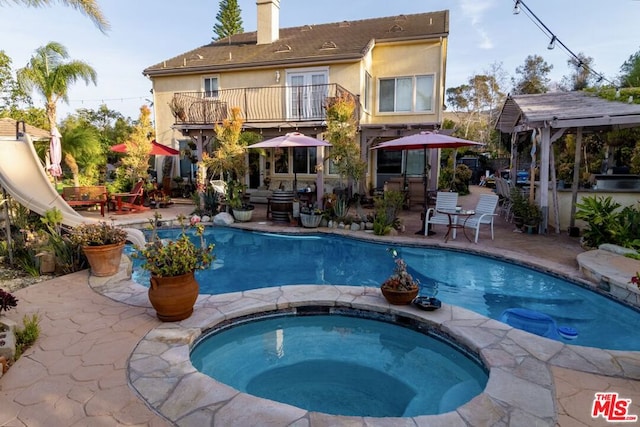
339	59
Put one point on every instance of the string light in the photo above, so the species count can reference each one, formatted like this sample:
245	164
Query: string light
554	39
552	44
103	100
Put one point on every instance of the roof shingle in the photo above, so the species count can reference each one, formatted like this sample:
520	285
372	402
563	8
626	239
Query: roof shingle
347	40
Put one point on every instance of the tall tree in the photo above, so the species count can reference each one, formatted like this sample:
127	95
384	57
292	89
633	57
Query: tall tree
81	150
88	7
630	71
533	76
51	77
229	20
136	161
11	97
475	101
341	132
581	76
113	127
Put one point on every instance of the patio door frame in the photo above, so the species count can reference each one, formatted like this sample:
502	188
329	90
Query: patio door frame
306	91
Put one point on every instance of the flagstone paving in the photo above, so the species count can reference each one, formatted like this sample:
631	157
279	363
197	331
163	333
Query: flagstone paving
97	361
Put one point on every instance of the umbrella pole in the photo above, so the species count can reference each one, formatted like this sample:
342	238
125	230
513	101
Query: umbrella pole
453	176
425	203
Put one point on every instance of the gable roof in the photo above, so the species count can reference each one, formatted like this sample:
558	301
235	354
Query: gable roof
8	129
324	43
565	110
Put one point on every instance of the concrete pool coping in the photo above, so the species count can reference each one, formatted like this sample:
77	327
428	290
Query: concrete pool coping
520	390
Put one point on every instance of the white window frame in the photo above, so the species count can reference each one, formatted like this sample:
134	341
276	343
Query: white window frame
414	94
307	75
368	88
211	93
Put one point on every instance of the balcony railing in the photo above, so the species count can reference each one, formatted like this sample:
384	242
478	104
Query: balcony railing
257	104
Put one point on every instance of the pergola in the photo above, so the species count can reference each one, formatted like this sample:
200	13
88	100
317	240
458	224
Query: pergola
551	115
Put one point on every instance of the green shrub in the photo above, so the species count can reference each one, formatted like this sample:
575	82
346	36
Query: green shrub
607	224
28	335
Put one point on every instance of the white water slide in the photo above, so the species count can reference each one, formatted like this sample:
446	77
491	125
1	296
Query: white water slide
23	177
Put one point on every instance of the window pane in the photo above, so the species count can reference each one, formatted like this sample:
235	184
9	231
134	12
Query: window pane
332	166
415	162
387	95
318	95
367	91
312	153
424	93
404	94
389	161
299	160
304	160
281	156
211	87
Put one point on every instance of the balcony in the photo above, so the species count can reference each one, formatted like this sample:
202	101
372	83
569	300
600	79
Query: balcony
279	104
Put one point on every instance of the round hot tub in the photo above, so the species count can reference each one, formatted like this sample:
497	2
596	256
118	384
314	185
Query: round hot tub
353	363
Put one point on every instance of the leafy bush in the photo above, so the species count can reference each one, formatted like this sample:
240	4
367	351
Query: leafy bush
28	335
607	224
386	209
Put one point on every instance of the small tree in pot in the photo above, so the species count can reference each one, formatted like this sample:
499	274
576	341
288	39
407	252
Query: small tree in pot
172	263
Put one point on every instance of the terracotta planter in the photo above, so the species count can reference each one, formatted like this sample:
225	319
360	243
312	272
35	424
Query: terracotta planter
104	260
173	297
399	297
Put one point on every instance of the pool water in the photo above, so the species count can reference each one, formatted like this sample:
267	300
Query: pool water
341	365
249	260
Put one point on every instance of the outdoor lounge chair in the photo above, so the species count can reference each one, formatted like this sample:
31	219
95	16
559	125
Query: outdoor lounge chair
485	211
445	200
132	201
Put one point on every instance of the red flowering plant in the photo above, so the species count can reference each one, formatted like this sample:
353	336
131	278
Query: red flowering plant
400	280
7	301
636	280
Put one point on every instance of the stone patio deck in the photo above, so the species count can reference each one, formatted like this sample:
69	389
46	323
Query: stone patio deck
102	356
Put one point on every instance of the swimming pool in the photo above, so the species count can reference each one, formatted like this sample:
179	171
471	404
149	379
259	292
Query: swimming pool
341	364
250	260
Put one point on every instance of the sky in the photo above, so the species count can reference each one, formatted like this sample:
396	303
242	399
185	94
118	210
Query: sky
146	32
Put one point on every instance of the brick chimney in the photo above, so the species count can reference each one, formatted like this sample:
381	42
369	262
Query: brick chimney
268	21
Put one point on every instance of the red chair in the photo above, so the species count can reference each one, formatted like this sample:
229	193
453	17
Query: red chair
132	201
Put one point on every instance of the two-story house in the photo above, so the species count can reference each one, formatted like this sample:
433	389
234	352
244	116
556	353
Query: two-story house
281	78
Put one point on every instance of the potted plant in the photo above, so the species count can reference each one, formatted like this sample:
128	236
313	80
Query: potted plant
310	217
102	244
518	206
400	288
172	263
532	217
242	211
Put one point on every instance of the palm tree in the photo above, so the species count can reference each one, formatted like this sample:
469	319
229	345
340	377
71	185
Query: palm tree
88	7
50	76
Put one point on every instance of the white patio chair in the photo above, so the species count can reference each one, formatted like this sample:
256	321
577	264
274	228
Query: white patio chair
485	212
445	200
504	197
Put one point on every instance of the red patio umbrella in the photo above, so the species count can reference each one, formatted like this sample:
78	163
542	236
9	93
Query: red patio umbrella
157	149
424	140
